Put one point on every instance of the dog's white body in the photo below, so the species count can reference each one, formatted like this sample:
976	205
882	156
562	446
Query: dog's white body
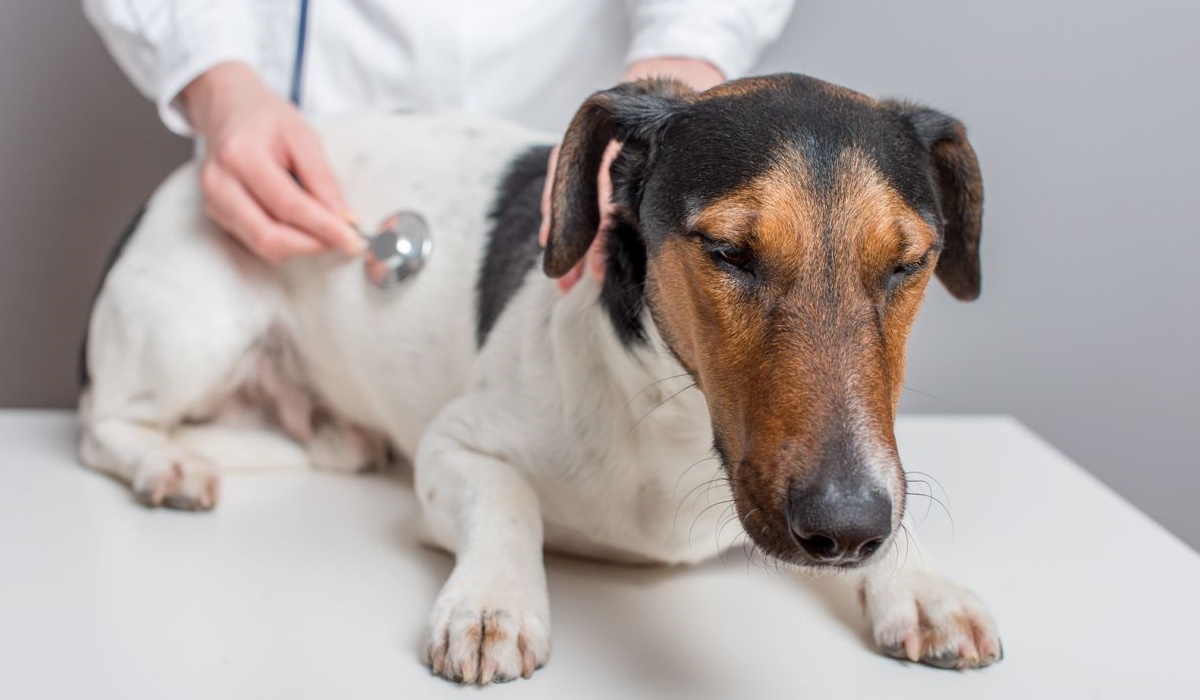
553	434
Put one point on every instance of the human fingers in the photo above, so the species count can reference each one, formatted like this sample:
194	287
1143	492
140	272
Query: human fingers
312	170
285	201
236	211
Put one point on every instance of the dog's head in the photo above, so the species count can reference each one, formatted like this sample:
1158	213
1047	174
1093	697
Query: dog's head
781	231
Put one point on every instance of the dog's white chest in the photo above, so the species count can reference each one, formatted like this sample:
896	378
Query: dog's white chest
674	515
657	495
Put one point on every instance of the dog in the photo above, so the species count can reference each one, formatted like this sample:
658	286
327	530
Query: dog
771	244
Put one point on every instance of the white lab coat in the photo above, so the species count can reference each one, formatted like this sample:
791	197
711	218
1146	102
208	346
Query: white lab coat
532	61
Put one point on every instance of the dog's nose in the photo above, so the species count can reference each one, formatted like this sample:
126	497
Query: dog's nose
836	527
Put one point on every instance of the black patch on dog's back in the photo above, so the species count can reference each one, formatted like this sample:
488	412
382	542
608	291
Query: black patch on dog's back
118	248
512	248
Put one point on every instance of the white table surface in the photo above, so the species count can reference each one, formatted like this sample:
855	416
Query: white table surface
308	585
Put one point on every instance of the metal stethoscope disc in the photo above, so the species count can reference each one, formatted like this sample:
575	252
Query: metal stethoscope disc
398	250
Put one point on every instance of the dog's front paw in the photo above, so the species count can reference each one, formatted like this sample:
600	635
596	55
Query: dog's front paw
480	635
176	479
921	616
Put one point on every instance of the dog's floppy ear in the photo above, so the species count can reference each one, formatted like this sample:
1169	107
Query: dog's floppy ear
629	112
959	187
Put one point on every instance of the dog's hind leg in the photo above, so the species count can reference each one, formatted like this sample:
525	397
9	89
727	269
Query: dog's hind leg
174	334
491	620
141	454
148	381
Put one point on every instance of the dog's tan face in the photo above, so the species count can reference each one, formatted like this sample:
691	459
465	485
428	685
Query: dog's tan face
786	304
789	230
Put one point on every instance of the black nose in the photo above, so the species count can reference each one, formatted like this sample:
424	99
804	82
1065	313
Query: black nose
832	525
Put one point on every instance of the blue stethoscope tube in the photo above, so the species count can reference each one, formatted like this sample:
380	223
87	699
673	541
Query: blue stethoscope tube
298	61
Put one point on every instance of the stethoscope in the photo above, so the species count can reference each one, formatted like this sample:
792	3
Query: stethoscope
400	245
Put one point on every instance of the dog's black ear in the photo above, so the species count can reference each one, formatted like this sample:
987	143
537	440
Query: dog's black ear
630	113
959	187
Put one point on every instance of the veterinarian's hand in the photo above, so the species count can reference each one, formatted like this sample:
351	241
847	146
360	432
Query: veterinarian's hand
700	76
265	178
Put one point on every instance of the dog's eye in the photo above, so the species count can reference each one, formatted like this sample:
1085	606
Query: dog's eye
730	256
901	273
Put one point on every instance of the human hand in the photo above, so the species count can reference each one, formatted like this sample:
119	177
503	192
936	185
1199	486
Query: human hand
265	178
697	74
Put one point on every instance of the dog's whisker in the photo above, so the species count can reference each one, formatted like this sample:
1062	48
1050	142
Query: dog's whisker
909	543
932	479
928	495
675	489
658	406
715	481
699	515
943	502
928	508
654	384
725	518
931	500
895	550
935	397
682	503
721	553
697	491
721	529
747	550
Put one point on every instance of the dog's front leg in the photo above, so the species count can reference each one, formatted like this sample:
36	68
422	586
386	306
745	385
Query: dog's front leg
491	621
920	615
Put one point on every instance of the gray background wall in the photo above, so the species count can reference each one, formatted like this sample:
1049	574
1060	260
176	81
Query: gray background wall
1083	114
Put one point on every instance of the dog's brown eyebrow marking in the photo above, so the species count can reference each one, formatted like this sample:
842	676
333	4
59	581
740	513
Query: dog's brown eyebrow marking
781	214
773	213
729	221
889	229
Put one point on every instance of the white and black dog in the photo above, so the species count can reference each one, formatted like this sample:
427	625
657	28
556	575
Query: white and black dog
772	244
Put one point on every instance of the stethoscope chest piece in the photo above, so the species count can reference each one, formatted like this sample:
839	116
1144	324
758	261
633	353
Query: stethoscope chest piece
398	250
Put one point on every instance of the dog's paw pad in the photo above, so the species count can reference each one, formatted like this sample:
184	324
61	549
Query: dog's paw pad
924	617
486	641
181	482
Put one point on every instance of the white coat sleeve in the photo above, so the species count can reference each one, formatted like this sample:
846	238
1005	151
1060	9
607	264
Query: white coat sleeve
730	34
163	45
